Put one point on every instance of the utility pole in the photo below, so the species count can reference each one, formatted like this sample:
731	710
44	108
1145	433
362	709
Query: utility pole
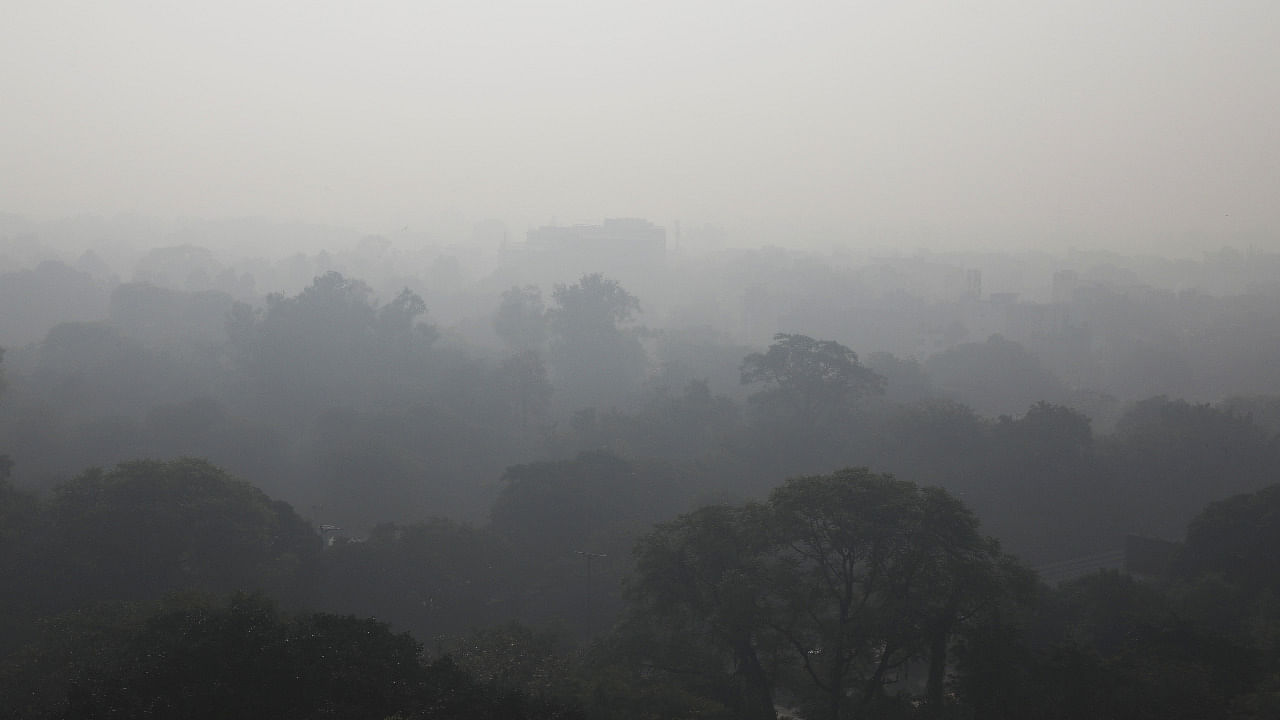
589	556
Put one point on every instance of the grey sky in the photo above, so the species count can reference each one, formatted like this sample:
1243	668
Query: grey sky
1001	123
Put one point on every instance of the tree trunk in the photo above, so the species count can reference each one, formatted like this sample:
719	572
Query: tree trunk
836	683
754	694
939	639
937	672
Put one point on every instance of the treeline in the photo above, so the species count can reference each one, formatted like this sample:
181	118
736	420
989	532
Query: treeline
614	490
197	657
852	594
1107	329
146	528
360	412
124	600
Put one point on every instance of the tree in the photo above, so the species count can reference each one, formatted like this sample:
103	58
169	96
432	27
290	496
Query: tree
995	377
597	361
37	299
687	425
1170	458
332	344
521	319
148	527
194	657
939	440
164	317
197	658
92	366
1115	647
402	333
1049	434
511	656
1236	538
905	379
559	516
877	573
699	602
19	516
829	590
6	463
808	381
429	578
1042	487
594	302
522	378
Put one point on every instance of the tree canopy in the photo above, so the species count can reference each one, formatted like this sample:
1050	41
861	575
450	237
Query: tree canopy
521	319
598	361
823	594
811	381
147	527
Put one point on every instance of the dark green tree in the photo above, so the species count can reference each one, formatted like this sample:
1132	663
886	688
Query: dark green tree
1043	489
430	578
196	658
561	517
6	463
1169	458
826	593
807	381
193	658
699	606
1235	539
148	527
19	518
877	573
512	656
1116	647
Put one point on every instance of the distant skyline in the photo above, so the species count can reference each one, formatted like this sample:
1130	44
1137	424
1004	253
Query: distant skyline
1141	126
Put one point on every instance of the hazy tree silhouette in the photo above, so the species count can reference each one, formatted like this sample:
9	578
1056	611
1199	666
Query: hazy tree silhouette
808	381
598	361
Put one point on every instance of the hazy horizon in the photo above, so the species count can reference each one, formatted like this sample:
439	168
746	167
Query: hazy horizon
1143	126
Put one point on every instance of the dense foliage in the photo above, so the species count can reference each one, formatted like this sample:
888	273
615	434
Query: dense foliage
608	519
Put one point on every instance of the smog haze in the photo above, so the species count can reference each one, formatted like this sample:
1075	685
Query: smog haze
1144	125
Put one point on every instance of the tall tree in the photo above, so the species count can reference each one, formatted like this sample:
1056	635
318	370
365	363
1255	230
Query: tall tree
521	319
828	590
699	605
808	381
875	573
598	361
332	344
